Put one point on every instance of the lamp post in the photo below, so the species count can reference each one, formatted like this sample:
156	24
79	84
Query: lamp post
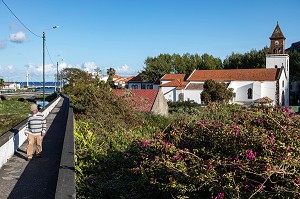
44	39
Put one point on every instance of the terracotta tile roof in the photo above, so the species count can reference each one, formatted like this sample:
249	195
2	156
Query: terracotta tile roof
129	78
140	100
137	78
178	83
269	74
194	86
173	76
264	100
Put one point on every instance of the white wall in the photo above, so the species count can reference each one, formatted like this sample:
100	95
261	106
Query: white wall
169	93
194	95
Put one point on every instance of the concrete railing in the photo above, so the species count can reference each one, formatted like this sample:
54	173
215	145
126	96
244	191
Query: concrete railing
13	139
65	187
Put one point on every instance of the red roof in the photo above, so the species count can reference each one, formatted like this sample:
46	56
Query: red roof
140	100
180	84
173	76
269	74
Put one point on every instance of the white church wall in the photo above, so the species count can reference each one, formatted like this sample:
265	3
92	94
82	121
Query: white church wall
169	93
273	60
241	90
194	95
269	90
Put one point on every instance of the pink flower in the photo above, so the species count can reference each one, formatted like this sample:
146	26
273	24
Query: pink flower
250	154
146	144
220	196
214	123
289	148
261	186
177	157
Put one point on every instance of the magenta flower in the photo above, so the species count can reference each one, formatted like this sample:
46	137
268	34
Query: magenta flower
250	154
220	196
177	157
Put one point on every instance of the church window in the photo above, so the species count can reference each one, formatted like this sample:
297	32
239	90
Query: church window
250	93
274	51
282	83
275	66
279	50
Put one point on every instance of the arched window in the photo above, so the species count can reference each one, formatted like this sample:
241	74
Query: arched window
282	84
250	93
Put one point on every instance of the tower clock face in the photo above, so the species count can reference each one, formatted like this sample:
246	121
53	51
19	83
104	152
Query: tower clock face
276	42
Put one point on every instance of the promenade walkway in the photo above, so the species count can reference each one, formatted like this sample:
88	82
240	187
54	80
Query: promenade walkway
37	179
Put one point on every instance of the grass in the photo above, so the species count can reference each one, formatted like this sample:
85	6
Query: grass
12	112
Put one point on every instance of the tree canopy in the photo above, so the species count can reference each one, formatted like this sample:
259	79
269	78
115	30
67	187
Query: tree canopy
163	64
216	92
252	59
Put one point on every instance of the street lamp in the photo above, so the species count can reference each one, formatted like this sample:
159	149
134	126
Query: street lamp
44	39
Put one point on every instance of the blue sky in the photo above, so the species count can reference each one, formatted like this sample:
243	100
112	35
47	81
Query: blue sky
122	33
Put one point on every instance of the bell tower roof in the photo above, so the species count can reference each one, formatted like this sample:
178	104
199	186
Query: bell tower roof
277	33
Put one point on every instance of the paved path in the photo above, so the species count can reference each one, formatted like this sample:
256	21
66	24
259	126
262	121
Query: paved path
37	178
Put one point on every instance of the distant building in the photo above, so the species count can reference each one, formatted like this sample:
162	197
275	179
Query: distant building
10	86
138	82
248	84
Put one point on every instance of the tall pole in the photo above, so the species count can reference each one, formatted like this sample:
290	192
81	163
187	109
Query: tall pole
57	76
43	69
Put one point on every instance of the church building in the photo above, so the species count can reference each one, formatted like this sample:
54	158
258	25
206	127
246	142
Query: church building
249	85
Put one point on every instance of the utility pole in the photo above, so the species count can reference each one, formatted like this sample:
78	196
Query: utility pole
57	76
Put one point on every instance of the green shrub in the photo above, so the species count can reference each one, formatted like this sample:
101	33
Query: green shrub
245	155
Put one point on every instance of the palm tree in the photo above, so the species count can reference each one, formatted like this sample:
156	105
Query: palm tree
1	82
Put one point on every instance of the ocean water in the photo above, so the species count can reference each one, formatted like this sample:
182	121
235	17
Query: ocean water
47	90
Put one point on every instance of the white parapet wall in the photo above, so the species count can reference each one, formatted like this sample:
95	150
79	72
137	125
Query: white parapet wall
11	141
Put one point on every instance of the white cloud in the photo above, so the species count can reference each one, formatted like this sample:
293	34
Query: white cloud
7	72
125	71
89	66
18	37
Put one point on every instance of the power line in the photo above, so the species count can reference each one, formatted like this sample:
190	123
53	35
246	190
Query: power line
49	54
20	20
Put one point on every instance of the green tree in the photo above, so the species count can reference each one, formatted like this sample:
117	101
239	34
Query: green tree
252	59
216	92
295	65
1	82
71	75
210	63
111	73
156	67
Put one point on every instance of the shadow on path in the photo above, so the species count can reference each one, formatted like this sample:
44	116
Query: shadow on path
40	175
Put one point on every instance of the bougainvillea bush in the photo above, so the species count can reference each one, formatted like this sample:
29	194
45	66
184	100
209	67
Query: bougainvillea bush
229	153
216	152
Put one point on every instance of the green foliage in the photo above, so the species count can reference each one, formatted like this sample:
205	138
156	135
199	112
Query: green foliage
244	154
12	112
182	106
216	92
252	59
163	64
214	152
295	65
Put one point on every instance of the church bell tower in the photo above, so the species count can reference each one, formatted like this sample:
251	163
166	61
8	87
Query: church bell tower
277	40
278	59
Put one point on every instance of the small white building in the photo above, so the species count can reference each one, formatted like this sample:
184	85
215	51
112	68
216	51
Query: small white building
10	86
